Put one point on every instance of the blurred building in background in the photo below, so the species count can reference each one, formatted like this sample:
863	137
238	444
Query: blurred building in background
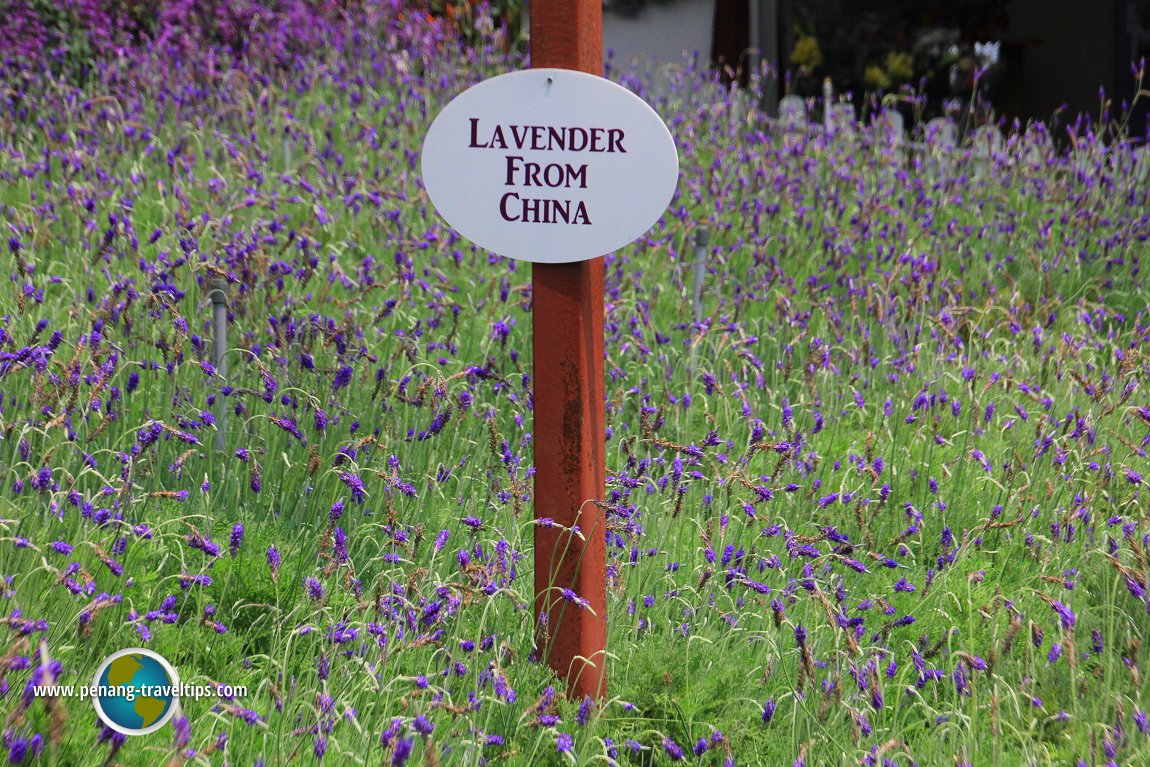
1034	59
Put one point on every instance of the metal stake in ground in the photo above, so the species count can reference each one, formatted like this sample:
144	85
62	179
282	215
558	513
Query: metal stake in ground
219	296
702	237
567	321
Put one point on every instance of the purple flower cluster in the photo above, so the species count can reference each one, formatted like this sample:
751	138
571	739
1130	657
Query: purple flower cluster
893	479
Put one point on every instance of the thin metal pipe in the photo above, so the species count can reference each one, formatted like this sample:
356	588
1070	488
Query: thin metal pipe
219	296
702	237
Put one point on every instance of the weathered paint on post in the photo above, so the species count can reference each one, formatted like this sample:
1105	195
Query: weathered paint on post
567	322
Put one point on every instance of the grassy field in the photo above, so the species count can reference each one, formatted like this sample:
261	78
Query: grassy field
884	505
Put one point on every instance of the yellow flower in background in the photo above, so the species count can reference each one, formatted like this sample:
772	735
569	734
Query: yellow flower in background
876	77
806	52
900	65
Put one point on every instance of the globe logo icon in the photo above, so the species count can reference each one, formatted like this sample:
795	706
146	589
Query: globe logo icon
136	691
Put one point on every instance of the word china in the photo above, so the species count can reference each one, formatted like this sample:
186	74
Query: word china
549	165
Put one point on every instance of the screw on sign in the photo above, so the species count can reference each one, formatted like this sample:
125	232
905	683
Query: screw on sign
558	166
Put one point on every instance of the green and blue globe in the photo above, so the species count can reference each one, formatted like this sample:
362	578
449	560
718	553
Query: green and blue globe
143	684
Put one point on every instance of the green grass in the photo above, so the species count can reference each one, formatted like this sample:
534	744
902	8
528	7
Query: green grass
839	308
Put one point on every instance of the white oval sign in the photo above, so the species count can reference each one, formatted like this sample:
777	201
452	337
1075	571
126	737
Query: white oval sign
549	165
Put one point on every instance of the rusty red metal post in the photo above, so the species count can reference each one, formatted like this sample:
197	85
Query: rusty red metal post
567	321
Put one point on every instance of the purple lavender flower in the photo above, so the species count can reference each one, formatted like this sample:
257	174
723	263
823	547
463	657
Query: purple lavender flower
574	598
287	425
672	749
584	711
402	752
236	539
1065	614
422	725
274	561
183	732
355	484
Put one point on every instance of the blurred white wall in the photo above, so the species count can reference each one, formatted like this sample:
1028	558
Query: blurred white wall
657	31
